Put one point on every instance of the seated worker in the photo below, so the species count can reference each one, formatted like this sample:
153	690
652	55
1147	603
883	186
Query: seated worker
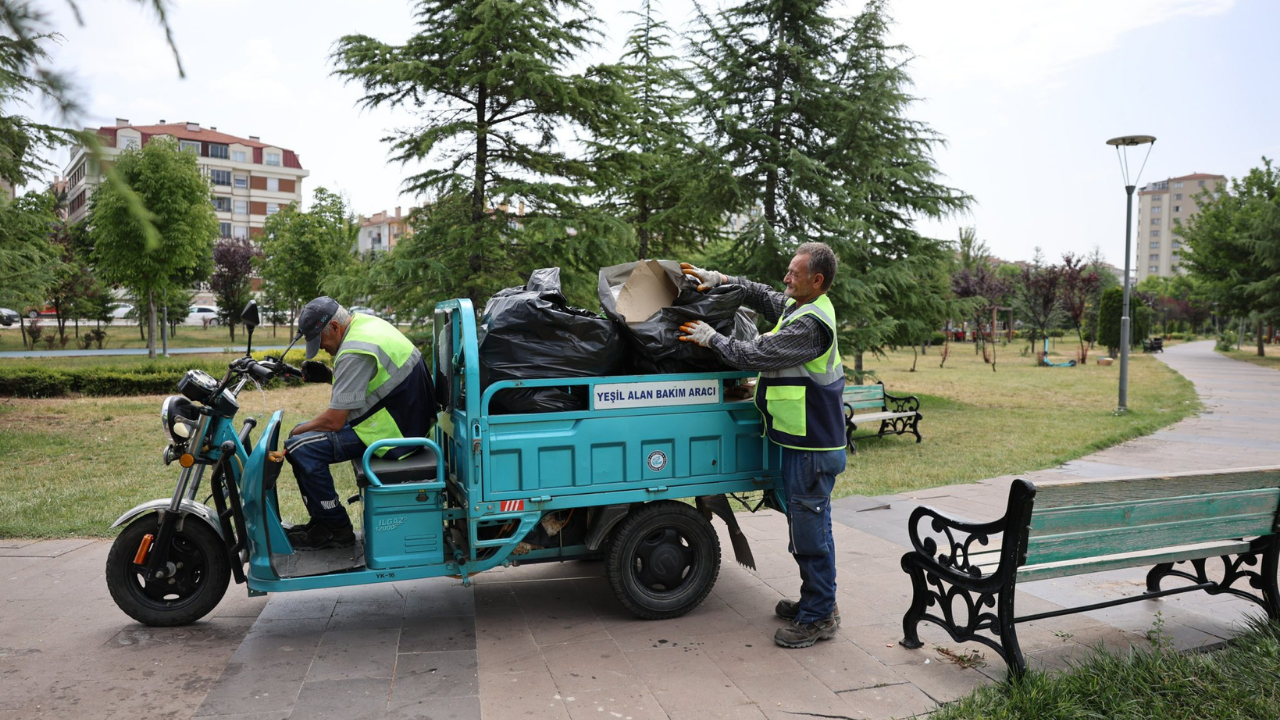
381	389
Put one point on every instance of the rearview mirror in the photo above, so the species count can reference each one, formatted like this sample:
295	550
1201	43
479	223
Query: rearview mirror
249	316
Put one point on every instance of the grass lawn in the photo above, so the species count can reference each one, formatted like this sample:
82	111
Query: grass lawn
979	424
1250	355
1241	681
126	336
70	466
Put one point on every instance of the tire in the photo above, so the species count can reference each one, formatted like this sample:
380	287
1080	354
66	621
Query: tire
663	560
197	586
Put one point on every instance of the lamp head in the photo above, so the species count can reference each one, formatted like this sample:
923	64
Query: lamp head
1131	140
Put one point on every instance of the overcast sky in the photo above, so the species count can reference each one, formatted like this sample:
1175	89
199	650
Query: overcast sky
1025	92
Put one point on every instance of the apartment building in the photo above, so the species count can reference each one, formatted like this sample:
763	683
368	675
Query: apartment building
1163	206
382	231
251	180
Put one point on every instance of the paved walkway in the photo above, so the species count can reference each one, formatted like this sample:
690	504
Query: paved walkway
550	641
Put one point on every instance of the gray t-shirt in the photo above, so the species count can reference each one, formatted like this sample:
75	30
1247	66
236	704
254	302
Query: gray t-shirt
351	375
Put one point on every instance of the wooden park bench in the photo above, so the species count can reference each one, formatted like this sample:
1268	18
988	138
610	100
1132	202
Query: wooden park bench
1069	529
903	417
1153	345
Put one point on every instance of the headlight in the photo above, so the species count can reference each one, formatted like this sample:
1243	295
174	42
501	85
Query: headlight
179	417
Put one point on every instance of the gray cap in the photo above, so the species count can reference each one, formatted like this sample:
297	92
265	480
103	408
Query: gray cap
313	318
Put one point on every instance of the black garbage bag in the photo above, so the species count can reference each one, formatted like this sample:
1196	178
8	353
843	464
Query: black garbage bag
531	332
655	341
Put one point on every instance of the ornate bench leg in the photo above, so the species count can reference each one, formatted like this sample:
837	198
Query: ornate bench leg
915	613
1270	591
1156	574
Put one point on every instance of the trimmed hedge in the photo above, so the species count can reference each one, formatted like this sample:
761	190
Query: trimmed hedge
106	381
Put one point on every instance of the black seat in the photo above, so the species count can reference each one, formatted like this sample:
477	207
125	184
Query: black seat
418	467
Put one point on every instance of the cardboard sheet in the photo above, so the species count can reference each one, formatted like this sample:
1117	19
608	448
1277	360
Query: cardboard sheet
645	292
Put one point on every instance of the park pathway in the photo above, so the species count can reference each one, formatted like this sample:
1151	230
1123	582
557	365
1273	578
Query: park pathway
550	641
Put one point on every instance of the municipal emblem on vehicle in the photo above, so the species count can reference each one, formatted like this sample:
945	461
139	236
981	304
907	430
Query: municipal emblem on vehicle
657	460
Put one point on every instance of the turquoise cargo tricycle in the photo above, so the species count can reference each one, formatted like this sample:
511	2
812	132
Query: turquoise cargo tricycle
611	481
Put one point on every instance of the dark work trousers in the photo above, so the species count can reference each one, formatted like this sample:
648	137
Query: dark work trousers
311	454
808	477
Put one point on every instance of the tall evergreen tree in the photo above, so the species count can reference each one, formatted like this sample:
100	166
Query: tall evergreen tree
648	170
810	111
488	80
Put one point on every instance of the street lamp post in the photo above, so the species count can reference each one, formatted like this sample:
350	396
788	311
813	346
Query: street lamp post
1127	141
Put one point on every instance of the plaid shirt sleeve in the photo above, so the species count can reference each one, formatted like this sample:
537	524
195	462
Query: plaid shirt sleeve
766	301
795	344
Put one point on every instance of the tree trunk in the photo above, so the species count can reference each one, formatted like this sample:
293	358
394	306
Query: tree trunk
1261	343
642	233
151	324
22	329
914	357
946	350
857	366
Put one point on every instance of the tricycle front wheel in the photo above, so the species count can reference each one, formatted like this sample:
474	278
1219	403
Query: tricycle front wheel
199	577
663	560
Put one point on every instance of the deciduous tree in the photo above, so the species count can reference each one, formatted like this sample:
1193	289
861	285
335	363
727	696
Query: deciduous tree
232	279
173	190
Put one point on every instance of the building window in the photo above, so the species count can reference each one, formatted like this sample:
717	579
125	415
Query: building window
1155	221
242	207
126	142
222	204
242	181
273	158
1155	233
238	156
1200	183
219	151
1177	196
1175	255
1177	208
220	177
273	184
1177	184
1155	209
240	232
1153	268
273	208
1177	245
189	146
1156	198
224	230
1154	257
1155	244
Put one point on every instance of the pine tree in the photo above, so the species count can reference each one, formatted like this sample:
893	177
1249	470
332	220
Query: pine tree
810	112
648	170
489	83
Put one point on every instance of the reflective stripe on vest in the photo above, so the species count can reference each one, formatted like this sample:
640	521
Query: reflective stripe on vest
396	358
803	405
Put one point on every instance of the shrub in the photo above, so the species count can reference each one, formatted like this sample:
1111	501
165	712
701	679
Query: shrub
34	383
100	383
1226	341
937	338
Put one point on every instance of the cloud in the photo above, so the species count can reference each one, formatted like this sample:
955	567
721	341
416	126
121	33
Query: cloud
1016	44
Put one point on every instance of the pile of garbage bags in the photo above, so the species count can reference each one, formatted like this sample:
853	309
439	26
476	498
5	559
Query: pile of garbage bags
531	332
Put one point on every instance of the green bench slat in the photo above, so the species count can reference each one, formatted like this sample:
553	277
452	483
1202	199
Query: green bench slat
988	561
1046	571
864	393
1148	512
866	405
1111	541
1152	488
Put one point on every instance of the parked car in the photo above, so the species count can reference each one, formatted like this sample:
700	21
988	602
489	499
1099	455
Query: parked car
8	317
202	315
124	311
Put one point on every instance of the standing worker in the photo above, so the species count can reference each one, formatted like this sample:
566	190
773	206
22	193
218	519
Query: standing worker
800	395
381	390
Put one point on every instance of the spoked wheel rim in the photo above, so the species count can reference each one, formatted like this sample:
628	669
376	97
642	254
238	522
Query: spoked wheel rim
663	561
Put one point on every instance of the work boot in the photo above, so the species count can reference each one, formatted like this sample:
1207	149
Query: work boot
788	609
795	635
298	532
323	537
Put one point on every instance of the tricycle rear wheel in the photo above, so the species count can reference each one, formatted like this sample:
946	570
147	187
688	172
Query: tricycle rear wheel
663	560
201	573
